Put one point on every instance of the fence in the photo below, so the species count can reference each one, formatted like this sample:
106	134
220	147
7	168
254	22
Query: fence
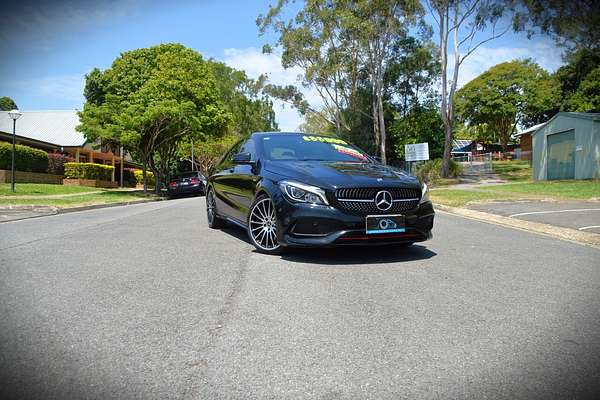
475	164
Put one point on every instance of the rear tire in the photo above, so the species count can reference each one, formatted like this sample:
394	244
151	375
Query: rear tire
214	221
262	226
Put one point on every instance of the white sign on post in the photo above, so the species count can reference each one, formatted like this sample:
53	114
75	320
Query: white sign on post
416	152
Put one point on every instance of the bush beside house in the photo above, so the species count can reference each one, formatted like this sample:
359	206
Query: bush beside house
56	163
27	158
89	174
139	178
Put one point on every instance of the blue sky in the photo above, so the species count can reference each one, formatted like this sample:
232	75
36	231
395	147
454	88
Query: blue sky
47	47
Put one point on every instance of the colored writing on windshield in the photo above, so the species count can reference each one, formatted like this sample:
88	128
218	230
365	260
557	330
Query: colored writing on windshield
349	151
323	139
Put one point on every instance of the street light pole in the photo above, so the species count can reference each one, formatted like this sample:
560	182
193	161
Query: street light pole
14	115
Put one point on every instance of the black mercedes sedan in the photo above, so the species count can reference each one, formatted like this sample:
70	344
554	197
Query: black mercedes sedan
187	183
307	190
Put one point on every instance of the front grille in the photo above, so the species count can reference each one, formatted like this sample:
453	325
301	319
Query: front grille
362	200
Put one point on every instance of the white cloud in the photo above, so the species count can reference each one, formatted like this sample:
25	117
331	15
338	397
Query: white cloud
545	54
65	90
255	63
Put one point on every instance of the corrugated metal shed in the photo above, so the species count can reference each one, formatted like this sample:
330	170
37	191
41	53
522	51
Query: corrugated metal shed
55	126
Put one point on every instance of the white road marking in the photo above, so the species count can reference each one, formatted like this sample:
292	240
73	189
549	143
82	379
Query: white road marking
589	227
554	212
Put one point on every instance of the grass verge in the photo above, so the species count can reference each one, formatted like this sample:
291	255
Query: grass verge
459	198
582	190
514	171
39	189
39	196
559	190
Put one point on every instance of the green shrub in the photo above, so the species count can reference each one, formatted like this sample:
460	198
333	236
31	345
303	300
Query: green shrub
430	170
139	177
74	170
129	179
26	158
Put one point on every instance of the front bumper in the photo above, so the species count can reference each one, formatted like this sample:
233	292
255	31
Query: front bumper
303	225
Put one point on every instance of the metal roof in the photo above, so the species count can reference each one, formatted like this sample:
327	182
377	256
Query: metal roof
54	126
529	130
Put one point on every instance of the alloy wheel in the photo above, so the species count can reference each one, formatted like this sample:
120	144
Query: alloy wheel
263	225
210	207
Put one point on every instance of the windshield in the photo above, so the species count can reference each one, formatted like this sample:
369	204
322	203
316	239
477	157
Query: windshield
185	175
286	147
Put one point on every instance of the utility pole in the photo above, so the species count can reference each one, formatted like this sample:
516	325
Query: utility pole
193	163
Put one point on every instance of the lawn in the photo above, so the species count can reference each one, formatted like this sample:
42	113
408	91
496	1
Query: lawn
66	196
559	190
583	189
39	189
517	170
459	198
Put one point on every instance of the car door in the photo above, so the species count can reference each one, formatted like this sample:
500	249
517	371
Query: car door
222	183
245	179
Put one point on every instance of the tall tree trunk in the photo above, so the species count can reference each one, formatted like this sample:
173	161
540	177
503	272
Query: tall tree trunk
375	119
381	128
144	175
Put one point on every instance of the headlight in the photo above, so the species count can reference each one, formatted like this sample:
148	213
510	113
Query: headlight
424	193
301	193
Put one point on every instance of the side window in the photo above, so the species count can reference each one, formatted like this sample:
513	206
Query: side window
226	161
249	147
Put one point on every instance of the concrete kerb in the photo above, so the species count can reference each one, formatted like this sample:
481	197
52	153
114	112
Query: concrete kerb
571	235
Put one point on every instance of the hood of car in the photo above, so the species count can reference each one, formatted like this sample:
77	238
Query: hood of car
333	175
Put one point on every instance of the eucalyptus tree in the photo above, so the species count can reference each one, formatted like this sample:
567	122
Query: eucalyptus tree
463	26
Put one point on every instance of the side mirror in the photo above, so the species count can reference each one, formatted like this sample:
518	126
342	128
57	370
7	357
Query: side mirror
243	158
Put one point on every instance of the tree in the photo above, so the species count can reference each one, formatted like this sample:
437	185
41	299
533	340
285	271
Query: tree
7	104
421	124
587	96
245	99
314	41
336	43
572	23
462	22
508	94
315	122
149	100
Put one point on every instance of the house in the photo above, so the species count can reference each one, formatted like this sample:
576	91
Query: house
54	131
567	147
523	152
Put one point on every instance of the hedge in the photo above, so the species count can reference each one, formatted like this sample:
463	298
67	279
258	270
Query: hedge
27	158
139	177
74	170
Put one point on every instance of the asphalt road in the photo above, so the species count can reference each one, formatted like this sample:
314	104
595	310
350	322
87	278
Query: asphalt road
580	215
146	302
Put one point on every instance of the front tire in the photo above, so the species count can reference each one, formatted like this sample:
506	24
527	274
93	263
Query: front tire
214	221
262	226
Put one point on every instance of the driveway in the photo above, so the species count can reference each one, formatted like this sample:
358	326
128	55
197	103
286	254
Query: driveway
580	215
146	302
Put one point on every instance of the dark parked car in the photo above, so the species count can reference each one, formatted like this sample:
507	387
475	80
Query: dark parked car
304	190
187	183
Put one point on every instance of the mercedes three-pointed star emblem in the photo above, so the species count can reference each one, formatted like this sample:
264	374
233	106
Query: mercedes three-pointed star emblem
383	200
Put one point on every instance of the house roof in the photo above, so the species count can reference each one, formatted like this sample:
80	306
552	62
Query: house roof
54	126
461	145
531	129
